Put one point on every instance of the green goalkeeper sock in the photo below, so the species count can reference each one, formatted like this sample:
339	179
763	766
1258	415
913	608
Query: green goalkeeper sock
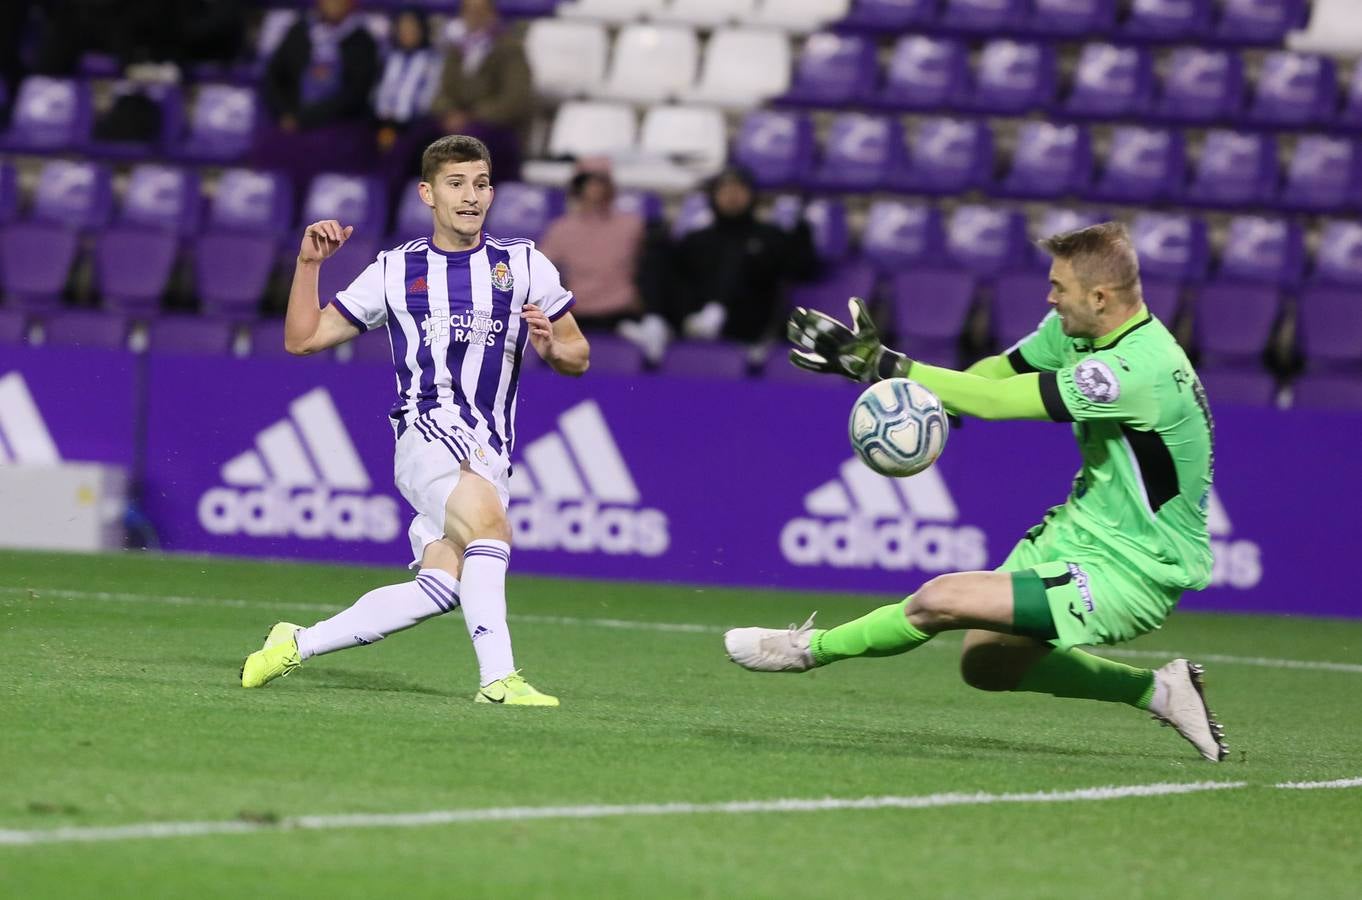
882	632
1073	673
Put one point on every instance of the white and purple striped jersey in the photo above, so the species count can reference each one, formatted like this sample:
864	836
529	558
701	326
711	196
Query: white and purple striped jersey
455	326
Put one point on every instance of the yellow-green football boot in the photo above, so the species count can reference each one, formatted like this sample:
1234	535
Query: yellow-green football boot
513	690
276	659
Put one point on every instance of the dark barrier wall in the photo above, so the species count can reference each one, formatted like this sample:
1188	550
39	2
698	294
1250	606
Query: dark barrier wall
669	479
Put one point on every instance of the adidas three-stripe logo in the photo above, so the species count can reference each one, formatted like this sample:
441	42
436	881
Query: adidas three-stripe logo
303	478
24	438
572	490
863	520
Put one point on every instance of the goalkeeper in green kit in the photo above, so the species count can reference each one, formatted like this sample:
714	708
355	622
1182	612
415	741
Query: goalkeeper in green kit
1106	566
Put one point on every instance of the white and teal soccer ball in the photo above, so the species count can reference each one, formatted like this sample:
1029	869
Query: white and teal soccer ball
898	427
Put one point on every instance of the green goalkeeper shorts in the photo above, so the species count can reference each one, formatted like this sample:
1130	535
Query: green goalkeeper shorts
1091	597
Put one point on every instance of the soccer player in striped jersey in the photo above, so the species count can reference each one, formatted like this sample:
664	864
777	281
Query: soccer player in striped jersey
460	308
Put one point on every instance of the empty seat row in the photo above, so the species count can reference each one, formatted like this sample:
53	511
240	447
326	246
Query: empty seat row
1261	22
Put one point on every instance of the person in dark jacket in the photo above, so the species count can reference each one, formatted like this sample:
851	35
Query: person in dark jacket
730	277
316	88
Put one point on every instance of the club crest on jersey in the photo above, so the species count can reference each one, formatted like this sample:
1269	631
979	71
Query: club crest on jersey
502	279
1096	381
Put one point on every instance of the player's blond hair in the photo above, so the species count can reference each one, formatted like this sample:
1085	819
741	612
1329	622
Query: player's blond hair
1102	256
455	148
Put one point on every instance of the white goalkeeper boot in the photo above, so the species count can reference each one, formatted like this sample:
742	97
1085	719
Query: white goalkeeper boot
1180	702
771	649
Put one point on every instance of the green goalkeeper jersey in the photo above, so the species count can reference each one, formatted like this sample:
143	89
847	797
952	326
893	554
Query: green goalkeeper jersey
1146	434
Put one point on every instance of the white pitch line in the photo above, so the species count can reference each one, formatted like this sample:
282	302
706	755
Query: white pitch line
1318	785
529	813
640	625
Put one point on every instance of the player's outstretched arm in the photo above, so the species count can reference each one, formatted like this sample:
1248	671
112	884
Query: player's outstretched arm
307	327
560	343
824	344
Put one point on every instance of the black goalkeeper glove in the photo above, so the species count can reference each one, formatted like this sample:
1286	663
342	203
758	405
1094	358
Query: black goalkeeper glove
826	345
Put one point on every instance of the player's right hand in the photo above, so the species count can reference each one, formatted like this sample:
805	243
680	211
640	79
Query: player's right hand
826	345
322	239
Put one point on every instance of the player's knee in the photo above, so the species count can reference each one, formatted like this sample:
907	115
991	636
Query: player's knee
984	669
937	602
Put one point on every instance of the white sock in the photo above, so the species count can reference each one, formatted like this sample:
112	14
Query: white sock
381	612
484	607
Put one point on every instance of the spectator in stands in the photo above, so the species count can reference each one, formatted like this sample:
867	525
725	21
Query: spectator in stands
597	250
486	89
411	76
316	88
729	278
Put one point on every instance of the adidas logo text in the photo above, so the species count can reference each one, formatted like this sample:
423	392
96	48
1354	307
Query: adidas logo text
553	507
864	520
304	479
1238	563
24	437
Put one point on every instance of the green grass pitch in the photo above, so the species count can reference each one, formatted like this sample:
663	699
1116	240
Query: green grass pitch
119	705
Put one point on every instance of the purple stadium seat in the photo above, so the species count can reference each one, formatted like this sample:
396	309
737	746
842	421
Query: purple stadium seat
929	308
1019	303
1163	298
1171	246
1258	249
1238	387
35	263
9	193
992	16
1073	18
693	215
76	195
522	210
1013	77
48	114
1050	161
946	156
1167	20
190	335
986	240
1338	259
1234	320
1334	391
1330	327
827	218
252	202
222	124
776	146
342	268
925	73
838	282
413	216
1259	21
1057	220
901	235
162	198
169	100
1201	85
350	199
833	69
231	271
609	353
133	268
1235	168
858	153
85	328
1294	89
1144	165
890	16
13	327
778	368
646	205
1111	82
1324	175
267	338
706	359
1351	114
